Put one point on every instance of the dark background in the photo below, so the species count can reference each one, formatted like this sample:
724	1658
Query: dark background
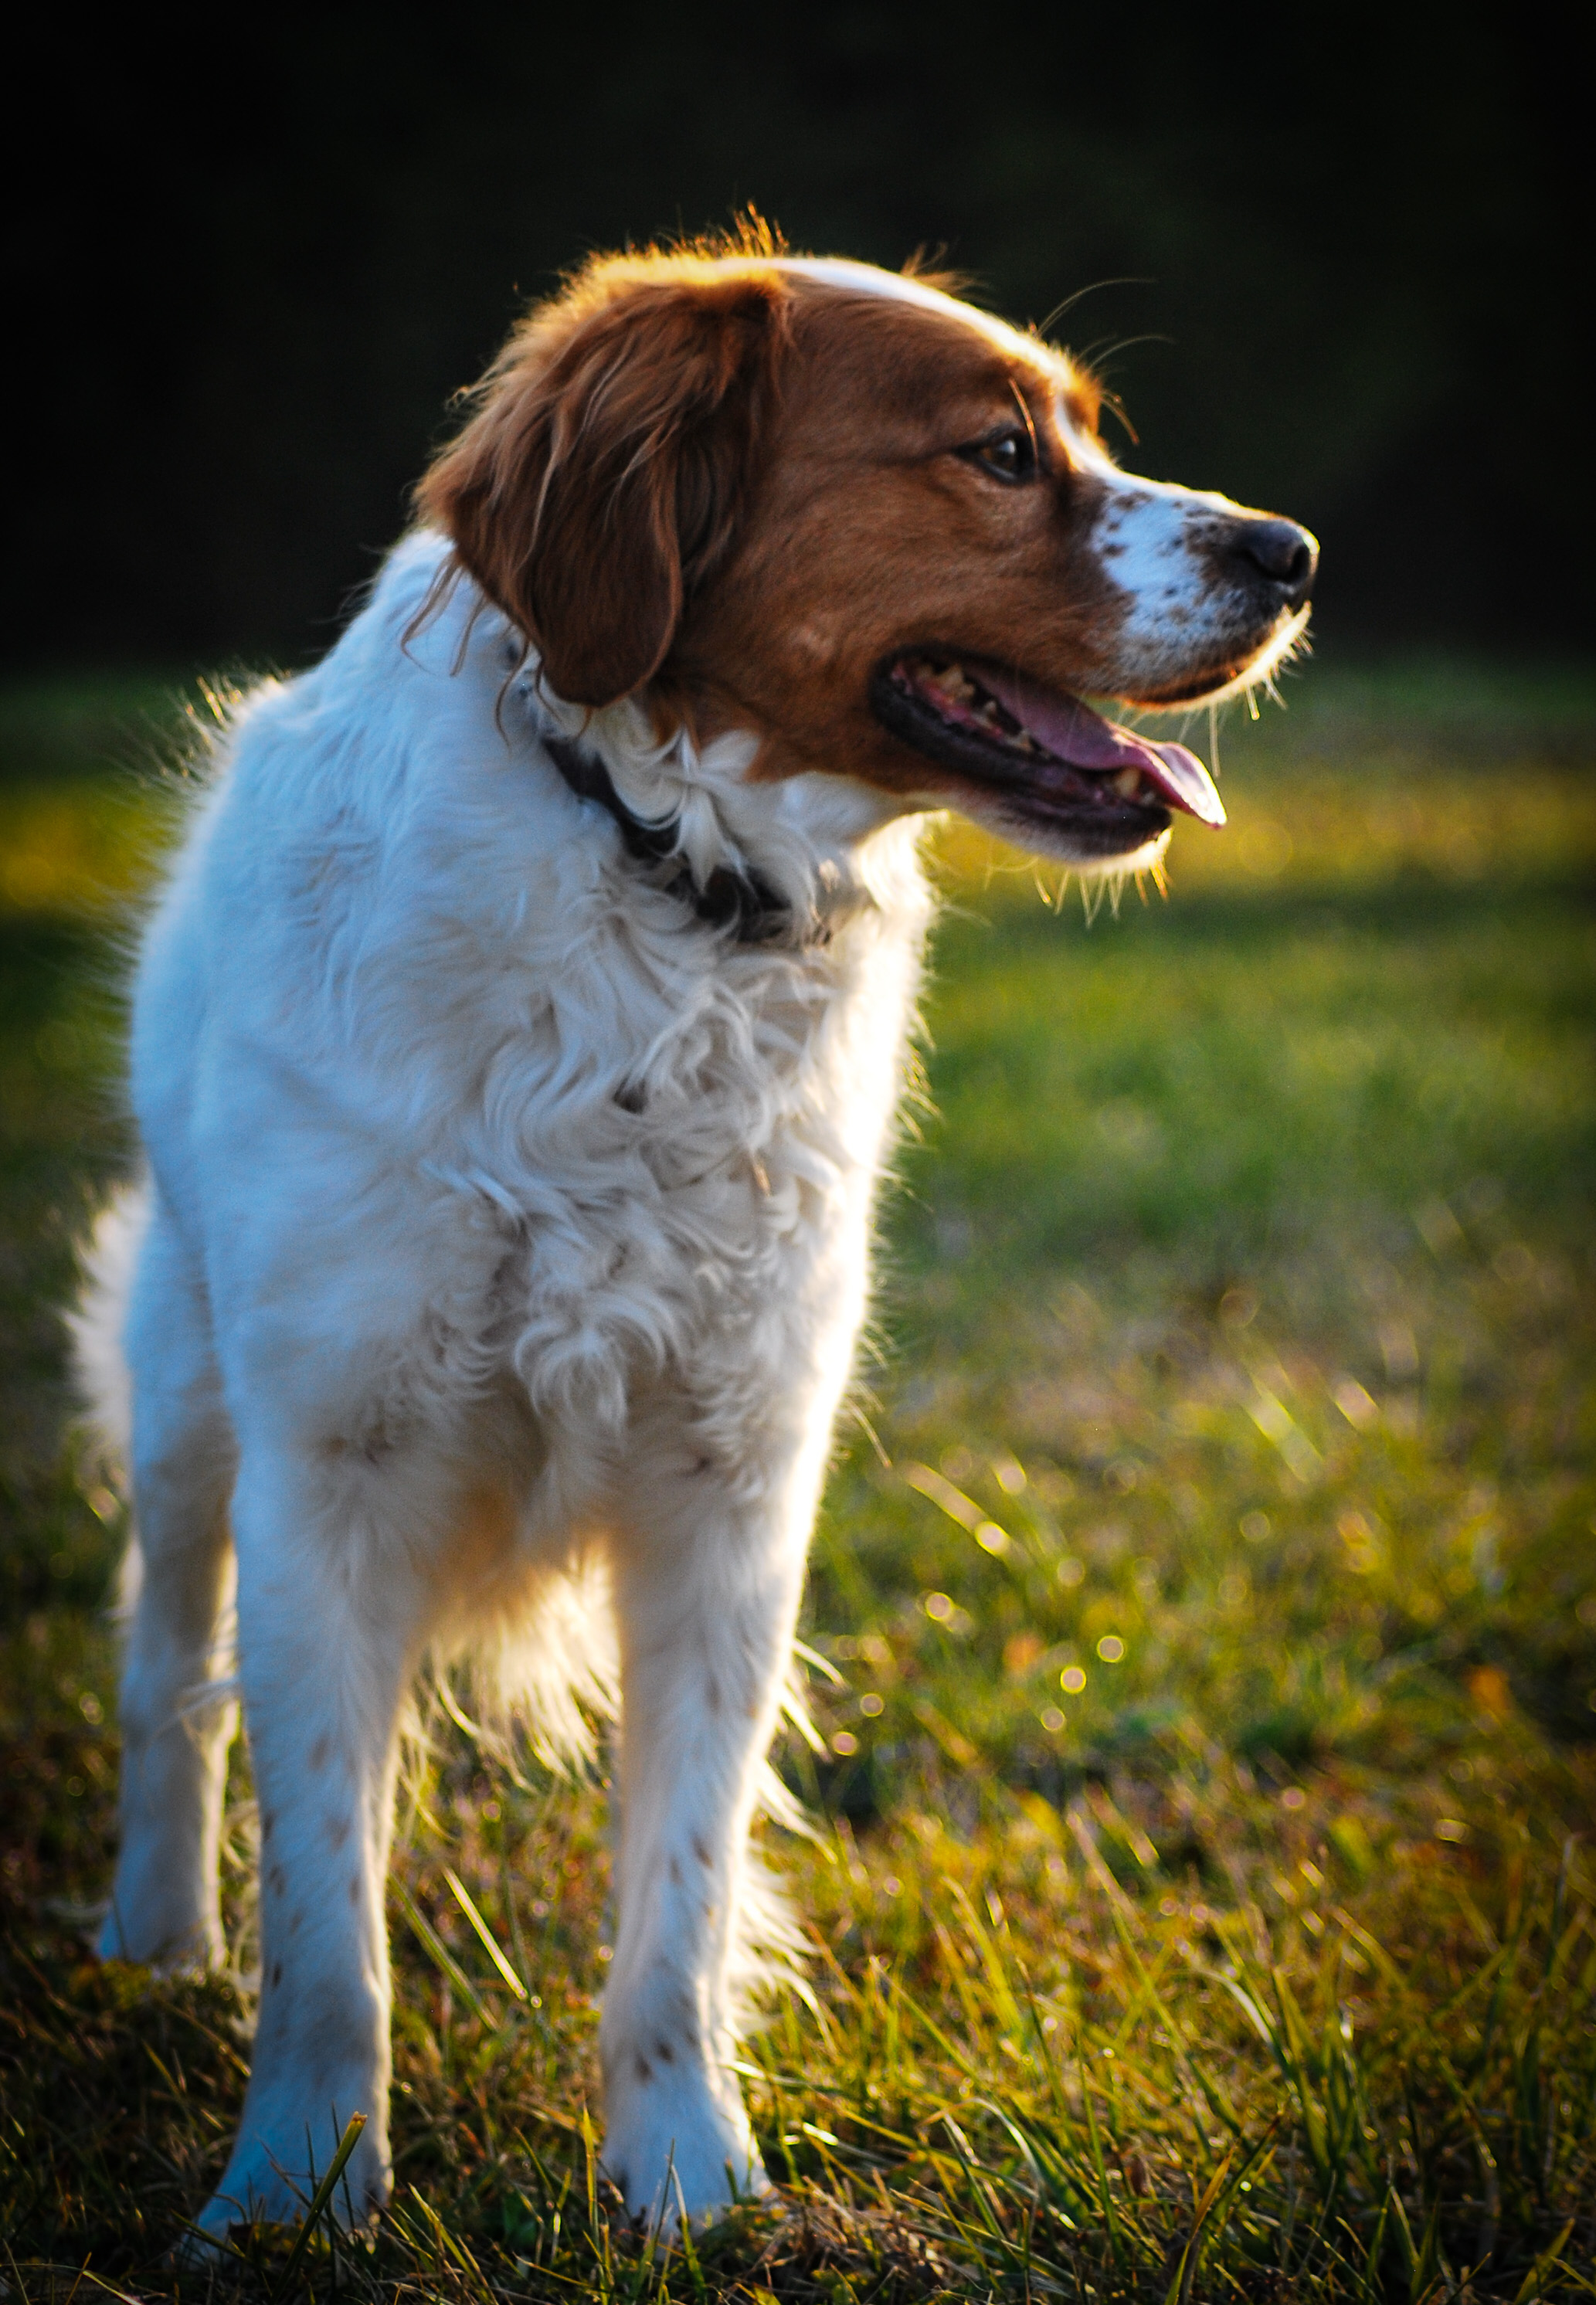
248	268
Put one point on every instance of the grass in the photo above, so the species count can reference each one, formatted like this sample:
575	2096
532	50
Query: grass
1202	1626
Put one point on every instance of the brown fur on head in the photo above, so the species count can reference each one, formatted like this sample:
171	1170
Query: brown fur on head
602	478
750	485
621	441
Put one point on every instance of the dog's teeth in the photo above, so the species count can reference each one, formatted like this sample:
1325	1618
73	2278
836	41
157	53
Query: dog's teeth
1127	783
949	681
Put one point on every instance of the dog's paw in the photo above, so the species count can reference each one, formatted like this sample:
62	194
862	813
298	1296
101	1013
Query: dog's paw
680	2152
267	2187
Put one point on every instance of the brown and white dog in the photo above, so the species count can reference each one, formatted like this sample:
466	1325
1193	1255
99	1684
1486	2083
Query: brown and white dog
516	1042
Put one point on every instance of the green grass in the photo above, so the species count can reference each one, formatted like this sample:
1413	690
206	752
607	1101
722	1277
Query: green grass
1207	1595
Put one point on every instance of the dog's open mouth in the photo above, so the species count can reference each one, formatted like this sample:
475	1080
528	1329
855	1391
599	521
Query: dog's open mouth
1049	771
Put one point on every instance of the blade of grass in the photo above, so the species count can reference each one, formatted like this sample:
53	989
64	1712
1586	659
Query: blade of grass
1180	2289
1105	2197
1532	2284
442	1958
320	2199
490	1943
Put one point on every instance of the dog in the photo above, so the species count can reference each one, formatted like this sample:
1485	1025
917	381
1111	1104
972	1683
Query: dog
516	1047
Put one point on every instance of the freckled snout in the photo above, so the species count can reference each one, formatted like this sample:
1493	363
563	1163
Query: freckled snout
1272	560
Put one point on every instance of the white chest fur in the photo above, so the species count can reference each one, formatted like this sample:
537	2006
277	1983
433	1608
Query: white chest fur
406	970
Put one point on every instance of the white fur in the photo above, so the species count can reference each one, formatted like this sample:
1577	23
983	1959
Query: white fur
1156	542
903	287
501	1259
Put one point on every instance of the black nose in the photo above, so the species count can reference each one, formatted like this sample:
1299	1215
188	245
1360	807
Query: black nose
1276	554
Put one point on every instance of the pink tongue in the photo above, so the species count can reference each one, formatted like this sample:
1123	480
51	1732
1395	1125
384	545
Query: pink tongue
1083	738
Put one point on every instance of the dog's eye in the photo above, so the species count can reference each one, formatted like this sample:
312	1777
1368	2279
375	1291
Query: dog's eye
1008	455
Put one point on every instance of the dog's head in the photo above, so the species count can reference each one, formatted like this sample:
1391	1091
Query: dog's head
870	524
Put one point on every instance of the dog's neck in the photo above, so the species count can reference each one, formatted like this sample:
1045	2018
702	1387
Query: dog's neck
774	865
740	901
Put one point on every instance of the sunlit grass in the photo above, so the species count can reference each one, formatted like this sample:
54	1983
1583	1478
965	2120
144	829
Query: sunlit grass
1205	1602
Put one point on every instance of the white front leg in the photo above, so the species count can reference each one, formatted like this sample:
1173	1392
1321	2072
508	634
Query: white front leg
708	1566
328	1626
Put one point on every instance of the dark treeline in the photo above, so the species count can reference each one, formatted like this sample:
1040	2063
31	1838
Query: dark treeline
248	272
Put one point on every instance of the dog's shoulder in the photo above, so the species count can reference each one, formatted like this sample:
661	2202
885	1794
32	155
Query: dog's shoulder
407	736
377	811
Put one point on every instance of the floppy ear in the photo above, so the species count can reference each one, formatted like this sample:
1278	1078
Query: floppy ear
601	479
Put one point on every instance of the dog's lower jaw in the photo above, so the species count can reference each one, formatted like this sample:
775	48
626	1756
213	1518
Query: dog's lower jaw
1033	837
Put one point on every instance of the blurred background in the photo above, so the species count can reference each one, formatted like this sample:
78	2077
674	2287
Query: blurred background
249	270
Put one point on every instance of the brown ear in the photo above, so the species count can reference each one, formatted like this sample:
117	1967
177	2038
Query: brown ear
601	479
